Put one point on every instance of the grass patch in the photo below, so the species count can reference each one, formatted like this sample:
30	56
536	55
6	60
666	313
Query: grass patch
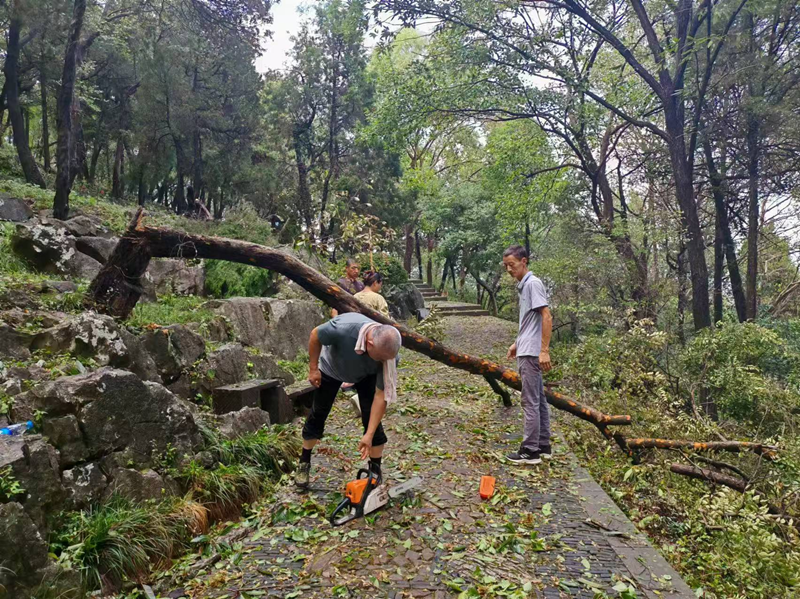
121	540
170	309
298	367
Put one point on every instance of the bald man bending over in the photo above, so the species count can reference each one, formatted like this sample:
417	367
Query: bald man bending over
353	348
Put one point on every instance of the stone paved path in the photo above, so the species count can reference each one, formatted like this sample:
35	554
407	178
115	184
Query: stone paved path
531	540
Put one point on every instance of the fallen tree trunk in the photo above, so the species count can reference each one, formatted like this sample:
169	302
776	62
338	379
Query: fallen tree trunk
767	451
116	289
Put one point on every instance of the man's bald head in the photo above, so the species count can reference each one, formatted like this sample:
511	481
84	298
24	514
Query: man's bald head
384	343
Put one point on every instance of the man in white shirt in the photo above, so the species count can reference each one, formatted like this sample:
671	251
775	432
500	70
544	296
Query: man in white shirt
532	350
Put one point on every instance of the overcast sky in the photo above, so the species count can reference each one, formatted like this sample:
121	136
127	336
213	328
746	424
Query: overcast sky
285	23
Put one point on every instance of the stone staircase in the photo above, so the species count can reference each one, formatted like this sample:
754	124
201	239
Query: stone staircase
444	306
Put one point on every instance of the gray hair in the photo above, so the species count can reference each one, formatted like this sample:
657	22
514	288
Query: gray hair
387	338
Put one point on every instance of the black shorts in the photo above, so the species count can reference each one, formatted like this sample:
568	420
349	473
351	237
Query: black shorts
323	402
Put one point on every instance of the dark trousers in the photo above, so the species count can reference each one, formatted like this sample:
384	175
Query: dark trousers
323	402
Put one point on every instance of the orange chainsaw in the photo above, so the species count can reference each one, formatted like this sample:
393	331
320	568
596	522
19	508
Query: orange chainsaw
366	494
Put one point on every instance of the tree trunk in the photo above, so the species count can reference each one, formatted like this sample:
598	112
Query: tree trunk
752	216
64	147
180	197
142	193
117	288
197	176
333	145
116	179
684	193
45	125
444	274
682	299
727	237
98	147
409	252
429	273
11	70
719	264
303	191
419	254
528	237
462	276
2	112
489	291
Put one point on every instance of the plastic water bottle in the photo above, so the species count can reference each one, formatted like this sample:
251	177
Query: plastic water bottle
16	429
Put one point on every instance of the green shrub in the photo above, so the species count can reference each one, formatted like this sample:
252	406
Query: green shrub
9	163
9	485
10	263
229	279
747	369
625	363
733	548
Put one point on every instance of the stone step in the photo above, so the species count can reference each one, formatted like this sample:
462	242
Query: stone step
430	293
458	307
434	298
416	281
477	312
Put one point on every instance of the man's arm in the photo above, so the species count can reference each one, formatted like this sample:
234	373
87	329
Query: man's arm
375	416
547	329
314	349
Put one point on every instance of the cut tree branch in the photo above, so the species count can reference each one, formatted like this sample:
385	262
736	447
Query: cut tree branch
768	451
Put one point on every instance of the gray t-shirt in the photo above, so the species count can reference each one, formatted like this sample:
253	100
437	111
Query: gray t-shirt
339	359
532	296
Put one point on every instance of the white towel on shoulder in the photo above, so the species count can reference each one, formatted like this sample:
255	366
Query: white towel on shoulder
389	366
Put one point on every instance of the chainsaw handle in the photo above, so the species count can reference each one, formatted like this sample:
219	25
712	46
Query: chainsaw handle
344	504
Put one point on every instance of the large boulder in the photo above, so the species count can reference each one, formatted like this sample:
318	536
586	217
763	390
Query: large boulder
114	410
232	364
404	301
83	225
14	209
34	465
85	484
247	420
175	276
174	350
97	336
14	345
99	248
51	248
280	327
24	559
140	486
64	433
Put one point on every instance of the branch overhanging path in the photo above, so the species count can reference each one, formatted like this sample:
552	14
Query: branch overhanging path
117	288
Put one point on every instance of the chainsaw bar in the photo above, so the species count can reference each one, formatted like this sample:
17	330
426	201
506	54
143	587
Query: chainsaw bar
411	483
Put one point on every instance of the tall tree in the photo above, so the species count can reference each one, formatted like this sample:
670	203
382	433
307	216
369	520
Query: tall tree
12	86
65	144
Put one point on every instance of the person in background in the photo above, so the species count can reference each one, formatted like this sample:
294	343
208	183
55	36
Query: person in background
371	296
532	351
349	282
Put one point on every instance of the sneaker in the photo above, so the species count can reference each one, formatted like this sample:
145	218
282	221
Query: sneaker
546	452
524	456
302	475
